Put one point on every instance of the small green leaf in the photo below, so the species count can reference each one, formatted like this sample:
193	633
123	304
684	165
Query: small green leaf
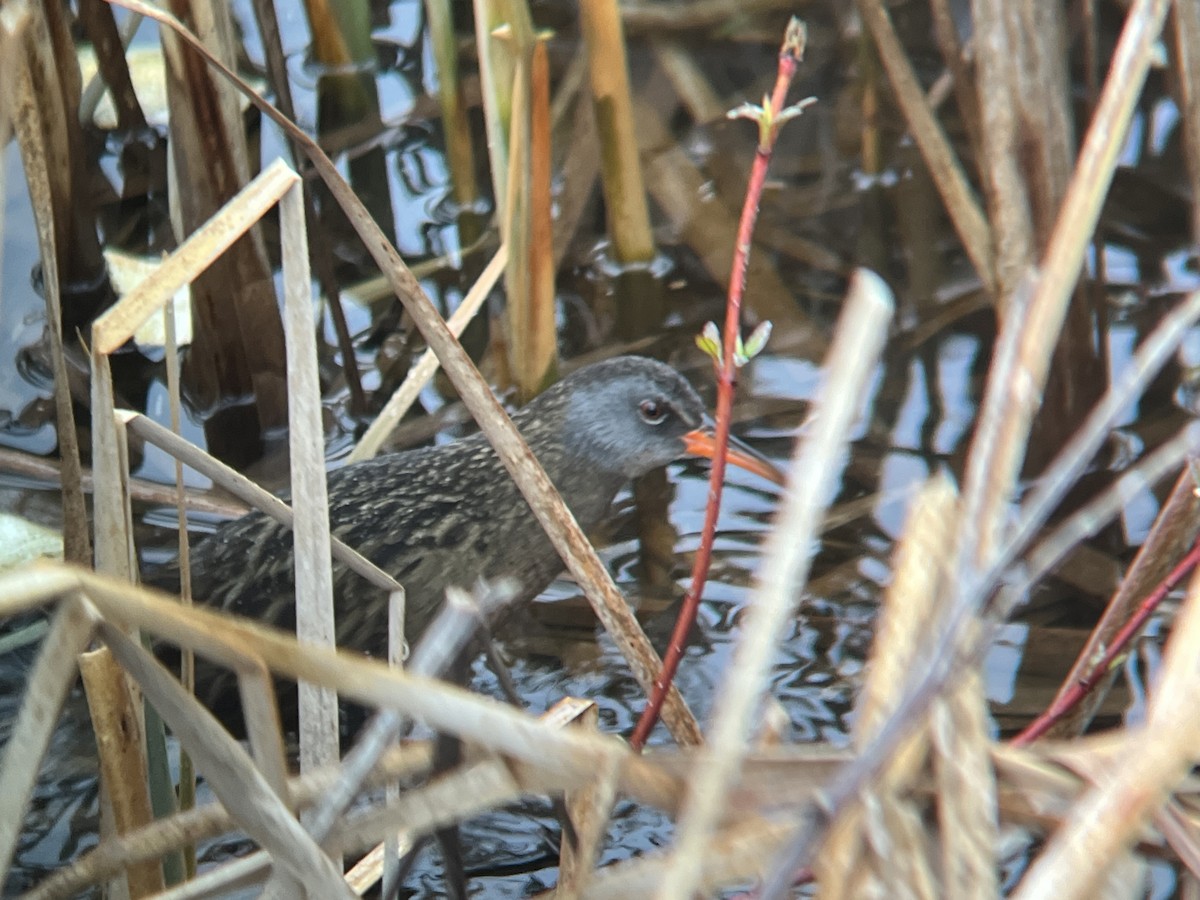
709	340
758	339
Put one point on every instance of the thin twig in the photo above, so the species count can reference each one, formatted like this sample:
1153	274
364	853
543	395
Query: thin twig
787	555
770	116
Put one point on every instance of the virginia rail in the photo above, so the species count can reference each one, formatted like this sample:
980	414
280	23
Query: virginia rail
451	515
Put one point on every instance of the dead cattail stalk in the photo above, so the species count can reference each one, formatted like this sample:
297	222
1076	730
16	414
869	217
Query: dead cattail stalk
620	165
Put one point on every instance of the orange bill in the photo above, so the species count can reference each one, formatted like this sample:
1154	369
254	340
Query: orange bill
702	442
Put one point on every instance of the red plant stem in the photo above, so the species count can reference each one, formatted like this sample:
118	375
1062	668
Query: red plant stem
789	57
1095	674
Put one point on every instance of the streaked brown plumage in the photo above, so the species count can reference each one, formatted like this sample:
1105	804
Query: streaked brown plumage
450	515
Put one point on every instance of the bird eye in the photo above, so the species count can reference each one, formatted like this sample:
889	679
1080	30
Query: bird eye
652	411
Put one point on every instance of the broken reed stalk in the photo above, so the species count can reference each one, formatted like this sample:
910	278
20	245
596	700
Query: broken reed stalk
564	533
620	165
503	33
769	117
532	341
456	126
539	333
122	763
862	328
209	821
201	501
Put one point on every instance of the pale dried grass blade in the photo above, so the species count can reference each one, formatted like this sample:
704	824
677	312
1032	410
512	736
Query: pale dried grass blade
860	334
399	403
620	163
208	821
223	638
192	257
965	788
468	790
737	853
1080	209
443	642
313	572
264	728
589	810
1182	832
230	771
236	483
49	681
907	608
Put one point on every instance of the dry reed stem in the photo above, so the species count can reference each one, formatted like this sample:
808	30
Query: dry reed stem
531	479
965	788
1072	232
118	324
399	403
51	677
258	498
947	173
456	124
1151	355
371	868
36	467
264	729
1154	760
313	572
1007	193
538	333
229	770
497	68
35	127
688	80
1187	68
209	821
525	228
226	639
908	606
119	742
1165	459
731	855
444	642
860	334
620	164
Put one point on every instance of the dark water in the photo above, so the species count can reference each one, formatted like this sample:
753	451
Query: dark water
916	419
